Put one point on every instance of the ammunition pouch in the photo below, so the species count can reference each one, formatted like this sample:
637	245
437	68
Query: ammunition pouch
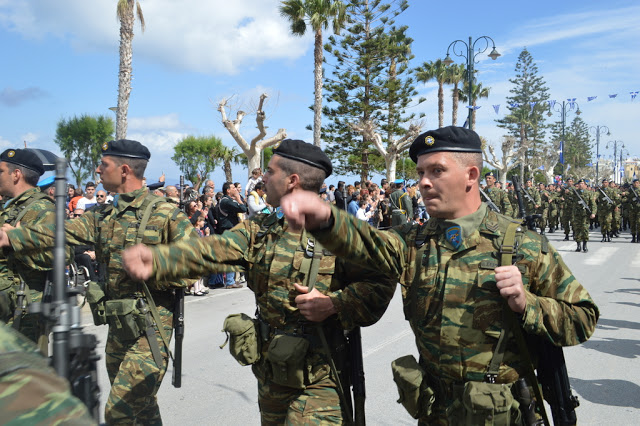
415	395
8	300
287	359
484	403
96	298
124	318
242	336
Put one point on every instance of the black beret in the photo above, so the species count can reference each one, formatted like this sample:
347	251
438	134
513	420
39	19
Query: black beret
581	181
305	153
488	174
451	138
23	158
126	148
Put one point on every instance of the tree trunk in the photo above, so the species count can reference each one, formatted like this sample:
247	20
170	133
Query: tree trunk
391	161
454	109
317	75
124	75
227	171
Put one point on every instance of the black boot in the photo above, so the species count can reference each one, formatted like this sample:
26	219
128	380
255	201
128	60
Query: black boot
566	237
584	247
609	237
604	238
579	248
633	238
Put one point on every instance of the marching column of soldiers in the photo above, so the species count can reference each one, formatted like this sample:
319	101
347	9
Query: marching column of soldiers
574	208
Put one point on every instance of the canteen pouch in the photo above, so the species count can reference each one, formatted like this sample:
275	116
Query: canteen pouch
124	318
8	299
286	356
242	336
487	404
415	395
96	298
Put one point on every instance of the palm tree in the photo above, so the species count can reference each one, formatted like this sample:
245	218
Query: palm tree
435	70
228	156
126	16
456	73
318	14
477	92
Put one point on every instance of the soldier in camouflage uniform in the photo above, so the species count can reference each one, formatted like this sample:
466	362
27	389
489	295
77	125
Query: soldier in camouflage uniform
497	195
582	213
455	292
567	210
554	208
633	202
134	374
616	225
605	210
273	254
19	173
30	391
543	211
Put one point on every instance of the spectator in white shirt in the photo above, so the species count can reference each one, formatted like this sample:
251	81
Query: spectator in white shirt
89	199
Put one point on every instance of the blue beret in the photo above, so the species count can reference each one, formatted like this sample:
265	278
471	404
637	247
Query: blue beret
23	158
305	153
45	183
126	148
451	138
397	181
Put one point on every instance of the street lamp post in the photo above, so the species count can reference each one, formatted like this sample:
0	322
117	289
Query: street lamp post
622	170
563	110
597	132
615	157
469	53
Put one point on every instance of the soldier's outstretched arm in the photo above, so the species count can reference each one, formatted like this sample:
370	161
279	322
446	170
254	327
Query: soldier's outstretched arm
304	209
138	262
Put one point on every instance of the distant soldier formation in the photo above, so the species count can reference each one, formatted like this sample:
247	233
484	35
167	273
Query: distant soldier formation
573	207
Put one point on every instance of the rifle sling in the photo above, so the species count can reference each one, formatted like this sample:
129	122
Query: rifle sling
309	267
512	324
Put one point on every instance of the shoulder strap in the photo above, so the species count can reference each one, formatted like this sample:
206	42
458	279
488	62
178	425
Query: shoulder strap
151	203
511	323
35	197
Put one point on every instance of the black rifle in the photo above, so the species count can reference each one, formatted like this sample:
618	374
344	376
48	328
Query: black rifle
357	376
21	304
635	194
74	352
529	220
178	319
551	369
581	200
487	200
609	201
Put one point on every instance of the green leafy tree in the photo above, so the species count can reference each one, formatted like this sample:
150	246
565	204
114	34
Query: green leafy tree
126	16
80	139
527	107
229	156
370	90
197	157
437	71
318	14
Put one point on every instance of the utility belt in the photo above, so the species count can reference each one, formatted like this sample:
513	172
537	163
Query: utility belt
398	211
291	356
465	403
128	318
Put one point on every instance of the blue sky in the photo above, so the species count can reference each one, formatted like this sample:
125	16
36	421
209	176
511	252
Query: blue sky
60	59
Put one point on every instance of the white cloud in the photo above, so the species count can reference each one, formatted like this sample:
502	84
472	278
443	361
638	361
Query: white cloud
164	122
30	137
5	143
215	36
159	142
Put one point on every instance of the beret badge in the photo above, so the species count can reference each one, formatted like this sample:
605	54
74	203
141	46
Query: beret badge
11	154
429	140
105	146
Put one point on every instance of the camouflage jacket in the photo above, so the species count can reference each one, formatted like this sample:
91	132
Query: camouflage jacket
578	209
500	199
272	255
39	210
450	296
111	228
30	391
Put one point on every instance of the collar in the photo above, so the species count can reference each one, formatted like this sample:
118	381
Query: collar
22	197
462	233
132	199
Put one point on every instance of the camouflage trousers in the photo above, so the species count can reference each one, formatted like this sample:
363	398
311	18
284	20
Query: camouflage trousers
605	217
580	224
634	219
318	404
135	378
566	223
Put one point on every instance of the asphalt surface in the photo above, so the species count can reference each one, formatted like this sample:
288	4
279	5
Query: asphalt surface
604	372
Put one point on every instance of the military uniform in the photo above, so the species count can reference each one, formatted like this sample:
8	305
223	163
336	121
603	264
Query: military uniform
605	211
554	210
500	199
543	210
30	391
273	255
134	375
401	207
581	215
566	197
451	301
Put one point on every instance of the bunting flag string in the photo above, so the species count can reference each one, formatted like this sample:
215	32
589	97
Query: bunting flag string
552	102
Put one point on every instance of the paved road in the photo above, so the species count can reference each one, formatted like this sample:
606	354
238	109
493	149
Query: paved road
605	372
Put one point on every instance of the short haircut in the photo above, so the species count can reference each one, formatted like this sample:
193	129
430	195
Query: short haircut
469	159
137	165
311	178
89	185
31	177
226	186
260	185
